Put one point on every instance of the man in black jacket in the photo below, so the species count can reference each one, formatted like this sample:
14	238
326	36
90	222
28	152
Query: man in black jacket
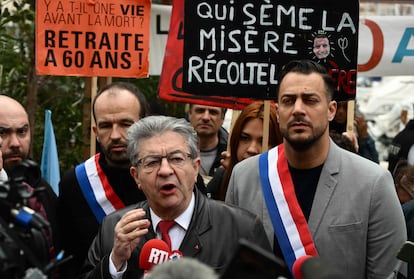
212	137
101	184
202	228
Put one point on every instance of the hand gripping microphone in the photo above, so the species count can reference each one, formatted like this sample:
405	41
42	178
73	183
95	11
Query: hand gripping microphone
154	251
310	267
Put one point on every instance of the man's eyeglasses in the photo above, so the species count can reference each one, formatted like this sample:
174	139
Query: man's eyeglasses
153	162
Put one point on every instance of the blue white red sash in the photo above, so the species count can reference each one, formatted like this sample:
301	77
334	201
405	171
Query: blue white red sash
289	223
96	188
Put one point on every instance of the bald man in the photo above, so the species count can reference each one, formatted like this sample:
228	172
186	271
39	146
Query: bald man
15	148
15	132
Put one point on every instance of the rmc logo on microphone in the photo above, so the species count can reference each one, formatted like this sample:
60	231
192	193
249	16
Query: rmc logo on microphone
158	256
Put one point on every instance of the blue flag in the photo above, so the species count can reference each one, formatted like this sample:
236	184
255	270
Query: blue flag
50	161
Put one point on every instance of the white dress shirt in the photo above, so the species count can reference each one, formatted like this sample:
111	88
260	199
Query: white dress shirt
177	234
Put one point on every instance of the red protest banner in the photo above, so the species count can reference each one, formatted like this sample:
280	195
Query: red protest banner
93	38
170	87
226	54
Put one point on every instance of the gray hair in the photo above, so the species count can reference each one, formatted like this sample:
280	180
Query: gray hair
152	126
183	268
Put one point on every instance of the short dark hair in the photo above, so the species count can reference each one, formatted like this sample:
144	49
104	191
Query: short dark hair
124	86
404	178
308	67
343	141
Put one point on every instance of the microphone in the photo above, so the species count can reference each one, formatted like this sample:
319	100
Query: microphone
175	255
297	266
154	251
309	267
406	252
26	217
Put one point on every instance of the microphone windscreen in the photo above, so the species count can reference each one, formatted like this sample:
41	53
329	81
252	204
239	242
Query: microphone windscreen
153	252
297	266
319	268
175	255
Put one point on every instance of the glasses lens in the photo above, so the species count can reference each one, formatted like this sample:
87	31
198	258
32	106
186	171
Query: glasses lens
152	162
177	159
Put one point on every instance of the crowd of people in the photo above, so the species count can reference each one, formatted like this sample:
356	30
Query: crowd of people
310	190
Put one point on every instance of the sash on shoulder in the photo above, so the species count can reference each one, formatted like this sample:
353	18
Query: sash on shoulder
96	188
289	223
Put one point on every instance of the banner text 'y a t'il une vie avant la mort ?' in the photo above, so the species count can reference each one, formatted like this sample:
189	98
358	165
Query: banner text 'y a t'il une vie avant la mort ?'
93	38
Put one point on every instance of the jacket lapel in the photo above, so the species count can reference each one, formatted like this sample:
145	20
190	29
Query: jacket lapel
325	189
191	244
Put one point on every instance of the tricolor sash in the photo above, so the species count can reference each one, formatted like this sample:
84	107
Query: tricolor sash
289	223
96	188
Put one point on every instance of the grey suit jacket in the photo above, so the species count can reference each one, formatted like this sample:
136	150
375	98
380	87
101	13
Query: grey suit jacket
356	219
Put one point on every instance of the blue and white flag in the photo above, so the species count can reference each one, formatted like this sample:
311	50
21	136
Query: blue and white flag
50	161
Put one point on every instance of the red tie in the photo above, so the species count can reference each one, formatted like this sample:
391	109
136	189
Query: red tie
165	227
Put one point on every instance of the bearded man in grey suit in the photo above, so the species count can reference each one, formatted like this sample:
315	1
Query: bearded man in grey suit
315	198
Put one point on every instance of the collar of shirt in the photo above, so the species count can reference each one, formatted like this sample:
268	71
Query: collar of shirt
176	233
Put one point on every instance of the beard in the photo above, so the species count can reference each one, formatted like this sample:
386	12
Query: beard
302	142
115	158
10	165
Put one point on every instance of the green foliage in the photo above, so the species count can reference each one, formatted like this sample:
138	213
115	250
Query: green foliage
16	44
149	87
62	95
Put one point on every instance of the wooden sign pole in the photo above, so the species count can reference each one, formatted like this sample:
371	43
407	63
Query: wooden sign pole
350	116
266	121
